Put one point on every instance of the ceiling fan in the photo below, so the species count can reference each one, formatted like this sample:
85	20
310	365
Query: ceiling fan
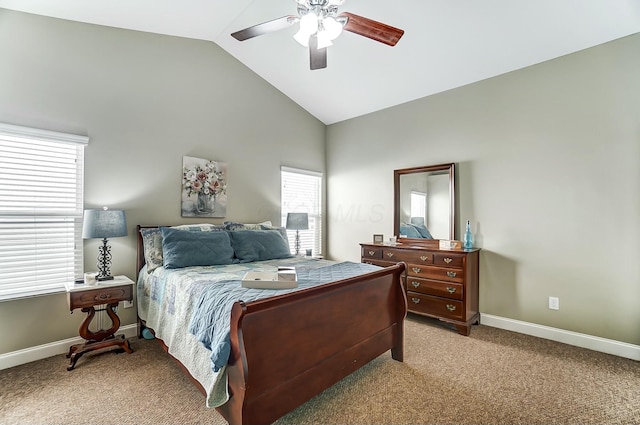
320	23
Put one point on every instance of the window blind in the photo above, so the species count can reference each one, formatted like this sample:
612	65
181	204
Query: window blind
41	205
302	192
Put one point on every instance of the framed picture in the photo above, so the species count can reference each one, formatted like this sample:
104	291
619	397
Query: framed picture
204	187
378	238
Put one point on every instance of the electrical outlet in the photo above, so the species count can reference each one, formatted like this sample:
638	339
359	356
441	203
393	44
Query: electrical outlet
127	304
554	303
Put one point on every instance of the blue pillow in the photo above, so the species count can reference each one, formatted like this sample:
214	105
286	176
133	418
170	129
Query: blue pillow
184	248
409	231
422	229
259	245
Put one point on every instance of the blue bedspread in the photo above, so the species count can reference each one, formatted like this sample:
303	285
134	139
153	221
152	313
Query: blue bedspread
210	322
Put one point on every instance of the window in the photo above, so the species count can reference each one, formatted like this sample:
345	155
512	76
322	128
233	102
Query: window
302	192
41	203
418	204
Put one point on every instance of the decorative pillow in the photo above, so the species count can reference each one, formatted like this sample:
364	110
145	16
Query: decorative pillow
232	225
204	227
152	243
409	231
258	245
184	248
424	232
282	231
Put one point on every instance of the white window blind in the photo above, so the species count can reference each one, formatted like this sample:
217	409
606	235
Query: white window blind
302	192
41	204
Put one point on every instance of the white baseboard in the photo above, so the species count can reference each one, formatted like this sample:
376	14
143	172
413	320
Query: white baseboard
609	346
31	354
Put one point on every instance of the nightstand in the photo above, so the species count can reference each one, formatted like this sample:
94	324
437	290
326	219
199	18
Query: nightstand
108	293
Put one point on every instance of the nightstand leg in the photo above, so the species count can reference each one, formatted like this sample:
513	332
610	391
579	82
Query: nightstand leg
97	340
74	358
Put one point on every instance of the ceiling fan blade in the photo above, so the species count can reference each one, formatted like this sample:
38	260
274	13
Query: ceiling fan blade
317	57
265	27
372	29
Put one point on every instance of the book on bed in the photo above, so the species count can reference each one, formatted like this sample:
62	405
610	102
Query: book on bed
284	278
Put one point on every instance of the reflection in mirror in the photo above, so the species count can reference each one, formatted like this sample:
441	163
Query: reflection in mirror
425	202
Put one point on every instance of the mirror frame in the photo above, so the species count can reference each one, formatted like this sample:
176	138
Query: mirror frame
450	168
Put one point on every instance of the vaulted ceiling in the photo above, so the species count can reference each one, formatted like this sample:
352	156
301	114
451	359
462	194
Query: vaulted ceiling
446	44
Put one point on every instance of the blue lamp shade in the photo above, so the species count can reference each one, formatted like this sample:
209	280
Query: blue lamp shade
297	221
104	223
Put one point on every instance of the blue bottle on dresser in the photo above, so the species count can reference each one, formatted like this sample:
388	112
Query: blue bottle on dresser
468	237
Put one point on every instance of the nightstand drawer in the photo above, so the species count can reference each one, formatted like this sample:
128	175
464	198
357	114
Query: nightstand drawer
105	295
432	287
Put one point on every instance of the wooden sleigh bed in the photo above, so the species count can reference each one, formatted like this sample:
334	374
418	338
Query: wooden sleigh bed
288	348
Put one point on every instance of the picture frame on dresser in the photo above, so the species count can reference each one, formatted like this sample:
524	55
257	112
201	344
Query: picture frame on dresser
378	239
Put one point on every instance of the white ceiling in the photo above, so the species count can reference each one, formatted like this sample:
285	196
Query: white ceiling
447	43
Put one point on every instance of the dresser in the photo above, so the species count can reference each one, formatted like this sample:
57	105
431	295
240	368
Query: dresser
439	283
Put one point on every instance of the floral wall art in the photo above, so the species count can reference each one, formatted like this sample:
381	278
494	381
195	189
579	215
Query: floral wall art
204	187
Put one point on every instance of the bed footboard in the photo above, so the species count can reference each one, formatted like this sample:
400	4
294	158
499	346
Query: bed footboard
287	349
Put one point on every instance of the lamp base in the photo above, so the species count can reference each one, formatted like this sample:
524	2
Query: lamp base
104	262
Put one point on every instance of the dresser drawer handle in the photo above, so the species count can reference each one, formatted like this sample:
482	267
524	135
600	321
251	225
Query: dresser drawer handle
448	260
451	289
415	300
451	274
389	254
371	253
416	269
424	257
415	284
103	296
451	307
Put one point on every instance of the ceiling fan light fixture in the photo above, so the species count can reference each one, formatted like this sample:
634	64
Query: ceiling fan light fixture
308	27
302	38
323	40
332	28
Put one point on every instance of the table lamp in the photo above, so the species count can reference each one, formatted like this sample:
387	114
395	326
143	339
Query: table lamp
103	224
297	222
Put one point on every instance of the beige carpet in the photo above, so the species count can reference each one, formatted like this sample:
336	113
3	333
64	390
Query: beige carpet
491	377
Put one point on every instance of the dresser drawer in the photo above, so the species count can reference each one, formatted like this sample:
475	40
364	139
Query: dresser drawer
376	262
371	252
432	287
99	295
435	306
408	256
448	260
431	272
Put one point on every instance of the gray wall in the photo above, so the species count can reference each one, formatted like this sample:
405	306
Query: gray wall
548	173
145	101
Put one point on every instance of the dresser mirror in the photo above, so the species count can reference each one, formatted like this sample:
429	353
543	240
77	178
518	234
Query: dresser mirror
424	203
